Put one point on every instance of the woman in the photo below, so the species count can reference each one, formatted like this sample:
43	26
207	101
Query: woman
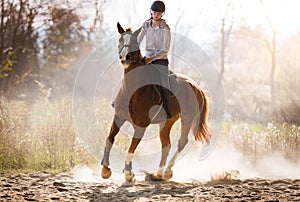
158	37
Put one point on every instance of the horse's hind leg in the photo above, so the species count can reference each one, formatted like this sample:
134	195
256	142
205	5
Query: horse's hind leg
164	135
138	135
117	123
183	140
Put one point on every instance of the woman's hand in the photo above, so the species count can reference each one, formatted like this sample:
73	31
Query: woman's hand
148	60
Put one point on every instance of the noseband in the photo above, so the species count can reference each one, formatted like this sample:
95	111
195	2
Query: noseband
126	45
131	51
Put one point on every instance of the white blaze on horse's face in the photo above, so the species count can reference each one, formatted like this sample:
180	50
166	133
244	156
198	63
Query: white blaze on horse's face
124	44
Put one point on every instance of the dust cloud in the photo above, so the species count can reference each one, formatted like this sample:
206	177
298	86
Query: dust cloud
189	168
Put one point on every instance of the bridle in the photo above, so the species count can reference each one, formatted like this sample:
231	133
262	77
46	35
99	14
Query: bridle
131	49
124	46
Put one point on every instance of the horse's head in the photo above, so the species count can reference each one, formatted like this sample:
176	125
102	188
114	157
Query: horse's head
128	46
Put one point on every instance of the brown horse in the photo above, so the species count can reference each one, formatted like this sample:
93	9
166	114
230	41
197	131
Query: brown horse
137	98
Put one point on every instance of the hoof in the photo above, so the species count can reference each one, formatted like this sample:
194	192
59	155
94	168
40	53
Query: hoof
153	177
168	175
106	172
129	177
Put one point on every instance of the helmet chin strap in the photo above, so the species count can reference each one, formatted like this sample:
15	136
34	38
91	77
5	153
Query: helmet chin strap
156	20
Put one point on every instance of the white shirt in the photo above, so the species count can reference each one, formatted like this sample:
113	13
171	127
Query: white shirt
157	39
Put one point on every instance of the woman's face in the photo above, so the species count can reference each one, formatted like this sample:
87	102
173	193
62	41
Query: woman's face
156	15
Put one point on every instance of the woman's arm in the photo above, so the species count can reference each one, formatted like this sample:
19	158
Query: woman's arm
165	46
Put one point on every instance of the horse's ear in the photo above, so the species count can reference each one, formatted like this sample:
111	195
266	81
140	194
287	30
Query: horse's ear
136	32
120	28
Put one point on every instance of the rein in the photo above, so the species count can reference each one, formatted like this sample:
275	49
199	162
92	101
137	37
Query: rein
141	62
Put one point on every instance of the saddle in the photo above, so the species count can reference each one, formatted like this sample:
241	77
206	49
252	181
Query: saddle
173	84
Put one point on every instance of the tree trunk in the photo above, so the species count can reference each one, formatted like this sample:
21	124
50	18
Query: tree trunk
273	66
223	47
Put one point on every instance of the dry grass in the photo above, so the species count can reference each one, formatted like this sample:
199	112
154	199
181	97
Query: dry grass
39	136
256	141
42	136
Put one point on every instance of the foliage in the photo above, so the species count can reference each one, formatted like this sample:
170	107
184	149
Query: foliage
63	36
7	64
39	38
18	40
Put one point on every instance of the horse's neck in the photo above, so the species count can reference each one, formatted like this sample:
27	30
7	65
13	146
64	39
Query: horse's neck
131	78
131	67
138	56
136	62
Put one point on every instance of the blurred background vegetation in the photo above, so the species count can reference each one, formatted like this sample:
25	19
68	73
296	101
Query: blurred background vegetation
43	44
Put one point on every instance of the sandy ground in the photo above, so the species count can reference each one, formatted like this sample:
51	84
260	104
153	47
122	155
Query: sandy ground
64	187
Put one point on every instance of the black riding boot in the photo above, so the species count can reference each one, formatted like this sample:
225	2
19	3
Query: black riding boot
165	96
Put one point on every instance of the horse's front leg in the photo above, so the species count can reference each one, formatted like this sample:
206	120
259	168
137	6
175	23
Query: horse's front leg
138	135
117	123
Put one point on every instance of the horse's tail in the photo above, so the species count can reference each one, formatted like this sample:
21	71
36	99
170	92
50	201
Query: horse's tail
200	126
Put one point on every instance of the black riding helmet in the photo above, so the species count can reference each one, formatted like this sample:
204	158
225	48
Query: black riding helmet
158	6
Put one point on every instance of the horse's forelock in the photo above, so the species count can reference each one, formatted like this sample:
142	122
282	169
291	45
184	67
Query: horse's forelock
128	29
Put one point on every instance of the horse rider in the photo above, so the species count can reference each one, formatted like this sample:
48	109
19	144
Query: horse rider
158	37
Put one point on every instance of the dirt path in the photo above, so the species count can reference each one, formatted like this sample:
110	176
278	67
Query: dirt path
63	187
